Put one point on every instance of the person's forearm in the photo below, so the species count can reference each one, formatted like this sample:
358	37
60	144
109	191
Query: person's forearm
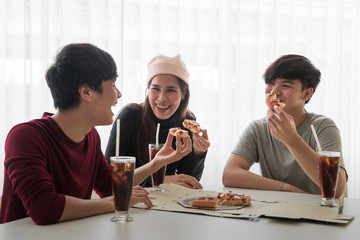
244	179
141	173
306	157
79	208
238	177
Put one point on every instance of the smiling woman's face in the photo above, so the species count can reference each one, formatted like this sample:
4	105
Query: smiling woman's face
164	95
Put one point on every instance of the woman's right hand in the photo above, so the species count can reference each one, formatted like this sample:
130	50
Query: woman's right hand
168	155
165	156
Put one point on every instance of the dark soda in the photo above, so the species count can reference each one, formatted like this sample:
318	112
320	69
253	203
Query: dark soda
123	177
157	177
328	171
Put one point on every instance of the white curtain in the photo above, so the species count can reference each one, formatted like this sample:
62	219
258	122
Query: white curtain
227	45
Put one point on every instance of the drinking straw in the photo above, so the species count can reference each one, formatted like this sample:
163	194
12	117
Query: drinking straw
316	137
117	137
157	135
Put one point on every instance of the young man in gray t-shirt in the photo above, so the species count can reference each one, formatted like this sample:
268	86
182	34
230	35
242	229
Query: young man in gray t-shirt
282	143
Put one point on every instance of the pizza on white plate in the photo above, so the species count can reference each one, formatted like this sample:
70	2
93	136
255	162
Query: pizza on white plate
233	199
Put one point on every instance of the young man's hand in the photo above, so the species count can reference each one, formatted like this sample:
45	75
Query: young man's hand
282	125
140	194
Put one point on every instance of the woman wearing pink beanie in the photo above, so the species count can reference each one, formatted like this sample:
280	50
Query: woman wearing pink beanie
166	103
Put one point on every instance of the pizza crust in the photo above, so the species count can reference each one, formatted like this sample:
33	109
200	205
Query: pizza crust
204	202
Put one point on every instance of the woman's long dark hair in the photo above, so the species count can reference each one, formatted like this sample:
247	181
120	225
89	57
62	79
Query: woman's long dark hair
147	128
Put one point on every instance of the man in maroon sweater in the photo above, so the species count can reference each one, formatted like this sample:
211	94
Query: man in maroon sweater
52	164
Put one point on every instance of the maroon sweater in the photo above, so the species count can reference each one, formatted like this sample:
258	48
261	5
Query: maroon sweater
42	165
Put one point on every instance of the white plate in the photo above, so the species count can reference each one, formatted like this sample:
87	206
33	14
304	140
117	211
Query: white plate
185	202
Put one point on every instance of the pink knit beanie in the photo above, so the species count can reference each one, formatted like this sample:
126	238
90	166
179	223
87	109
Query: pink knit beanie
162	64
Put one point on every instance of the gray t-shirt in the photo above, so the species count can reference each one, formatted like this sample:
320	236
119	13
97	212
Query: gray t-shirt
258	145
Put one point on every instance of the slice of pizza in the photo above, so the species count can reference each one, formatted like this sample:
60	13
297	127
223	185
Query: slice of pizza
233	199
192	125
204	202
173	130
176	131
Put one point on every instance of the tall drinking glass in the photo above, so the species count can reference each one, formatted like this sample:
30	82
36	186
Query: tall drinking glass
122	171
157	177
328	173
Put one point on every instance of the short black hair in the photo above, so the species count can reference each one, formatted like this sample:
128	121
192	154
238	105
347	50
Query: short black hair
294	67
77	64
